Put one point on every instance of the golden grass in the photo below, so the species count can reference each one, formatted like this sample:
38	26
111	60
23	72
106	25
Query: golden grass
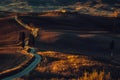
66	66
63	64
91	76
95	76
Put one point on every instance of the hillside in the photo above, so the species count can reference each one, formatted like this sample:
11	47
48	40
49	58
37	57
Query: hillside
69	43
92	7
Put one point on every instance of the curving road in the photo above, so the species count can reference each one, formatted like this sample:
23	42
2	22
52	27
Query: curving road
33	51
38	58
33	64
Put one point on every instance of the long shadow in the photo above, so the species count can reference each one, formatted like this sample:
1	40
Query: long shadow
80	22
74	44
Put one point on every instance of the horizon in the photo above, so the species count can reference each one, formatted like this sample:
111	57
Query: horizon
56	5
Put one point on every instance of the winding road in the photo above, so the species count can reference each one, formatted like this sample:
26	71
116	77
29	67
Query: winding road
38	58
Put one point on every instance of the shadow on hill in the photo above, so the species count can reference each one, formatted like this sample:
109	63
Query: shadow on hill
73	44
9	31
80	22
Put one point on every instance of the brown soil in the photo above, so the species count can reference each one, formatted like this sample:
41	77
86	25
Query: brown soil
10	60
9	51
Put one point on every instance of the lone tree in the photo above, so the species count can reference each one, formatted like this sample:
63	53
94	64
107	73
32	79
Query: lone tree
22	39
31	41
112	44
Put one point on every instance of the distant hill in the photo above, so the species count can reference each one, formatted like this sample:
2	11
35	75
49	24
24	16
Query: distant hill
48	5
60	2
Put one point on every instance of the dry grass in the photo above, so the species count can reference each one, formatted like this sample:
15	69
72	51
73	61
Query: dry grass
63	66
60	62
95	76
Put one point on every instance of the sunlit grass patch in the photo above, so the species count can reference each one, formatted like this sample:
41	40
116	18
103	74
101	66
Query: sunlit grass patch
95	76
68	66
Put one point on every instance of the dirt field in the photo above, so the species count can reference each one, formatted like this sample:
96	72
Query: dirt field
10	60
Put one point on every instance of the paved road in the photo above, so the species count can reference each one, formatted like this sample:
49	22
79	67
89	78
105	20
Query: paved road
38	58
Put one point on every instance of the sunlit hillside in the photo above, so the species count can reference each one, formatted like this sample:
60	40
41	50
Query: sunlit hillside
57	65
